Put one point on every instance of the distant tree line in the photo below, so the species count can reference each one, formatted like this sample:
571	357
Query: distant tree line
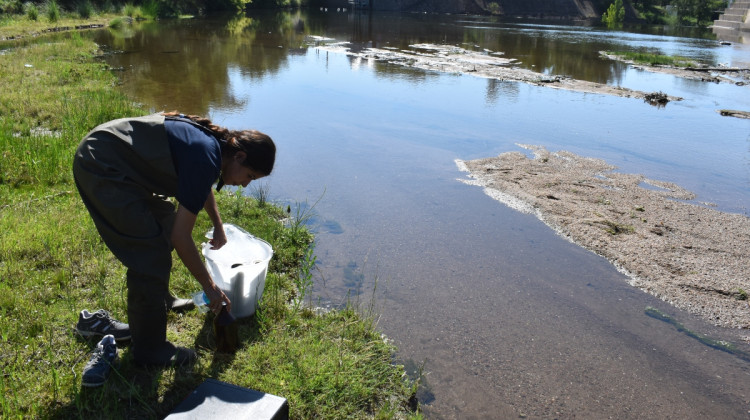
683	12
672	12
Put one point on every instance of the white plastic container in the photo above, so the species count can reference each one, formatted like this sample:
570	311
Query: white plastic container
239	268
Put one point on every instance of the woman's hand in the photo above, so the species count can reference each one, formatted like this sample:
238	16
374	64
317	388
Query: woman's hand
219	237
182	241
217	299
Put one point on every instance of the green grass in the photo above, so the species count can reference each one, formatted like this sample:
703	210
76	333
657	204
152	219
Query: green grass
20	26
53	264
656	59
53	92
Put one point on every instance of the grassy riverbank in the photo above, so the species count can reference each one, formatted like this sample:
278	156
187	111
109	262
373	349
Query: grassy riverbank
53	265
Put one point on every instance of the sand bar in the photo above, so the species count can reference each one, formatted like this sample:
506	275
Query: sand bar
692	256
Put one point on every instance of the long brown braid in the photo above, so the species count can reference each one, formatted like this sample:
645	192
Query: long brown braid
259	147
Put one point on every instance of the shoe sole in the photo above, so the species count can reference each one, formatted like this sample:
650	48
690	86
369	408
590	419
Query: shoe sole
93	384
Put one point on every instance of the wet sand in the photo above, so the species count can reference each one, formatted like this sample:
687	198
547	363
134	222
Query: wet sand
685	253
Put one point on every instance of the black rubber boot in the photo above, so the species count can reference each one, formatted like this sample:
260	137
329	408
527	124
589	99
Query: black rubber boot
147	317
169	355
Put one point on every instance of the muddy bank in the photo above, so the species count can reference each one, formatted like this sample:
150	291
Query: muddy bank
686	253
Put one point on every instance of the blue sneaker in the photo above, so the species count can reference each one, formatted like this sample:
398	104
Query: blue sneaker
97	369
99	324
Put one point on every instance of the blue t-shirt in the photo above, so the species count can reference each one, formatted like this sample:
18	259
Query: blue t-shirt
197	161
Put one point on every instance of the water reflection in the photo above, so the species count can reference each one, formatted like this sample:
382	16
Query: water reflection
193	60
198	53
497	89
507	317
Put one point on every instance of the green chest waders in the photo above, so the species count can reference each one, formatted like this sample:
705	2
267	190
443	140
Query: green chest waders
123	170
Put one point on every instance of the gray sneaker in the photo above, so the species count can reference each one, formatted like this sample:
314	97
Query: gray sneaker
99	323
97	369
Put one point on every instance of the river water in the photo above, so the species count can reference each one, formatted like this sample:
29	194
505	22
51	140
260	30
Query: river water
503	317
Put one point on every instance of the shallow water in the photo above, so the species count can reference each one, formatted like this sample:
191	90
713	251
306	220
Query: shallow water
505	317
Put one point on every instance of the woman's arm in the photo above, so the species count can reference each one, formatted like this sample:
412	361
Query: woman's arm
219	237
182	240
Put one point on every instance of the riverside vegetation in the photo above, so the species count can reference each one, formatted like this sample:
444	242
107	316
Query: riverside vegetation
53	264
653	59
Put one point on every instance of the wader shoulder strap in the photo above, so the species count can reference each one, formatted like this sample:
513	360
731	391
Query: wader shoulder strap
195	124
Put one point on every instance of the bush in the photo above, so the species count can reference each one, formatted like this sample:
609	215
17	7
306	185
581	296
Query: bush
116	23
32	12
150	8
53	11
108	7
161	9
11	7
85	9
129	10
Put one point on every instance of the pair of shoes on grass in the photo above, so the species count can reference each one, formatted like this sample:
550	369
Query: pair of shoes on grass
101	324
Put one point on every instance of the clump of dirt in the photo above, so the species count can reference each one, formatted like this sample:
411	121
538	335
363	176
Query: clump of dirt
689	255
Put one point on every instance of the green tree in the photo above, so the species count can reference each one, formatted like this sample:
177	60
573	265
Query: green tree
698	12
691	12
615	14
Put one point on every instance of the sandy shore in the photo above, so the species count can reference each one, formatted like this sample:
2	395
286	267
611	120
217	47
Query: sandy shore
689	255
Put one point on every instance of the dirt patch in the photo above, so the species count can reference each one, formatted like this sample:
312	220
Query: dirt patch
689	255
